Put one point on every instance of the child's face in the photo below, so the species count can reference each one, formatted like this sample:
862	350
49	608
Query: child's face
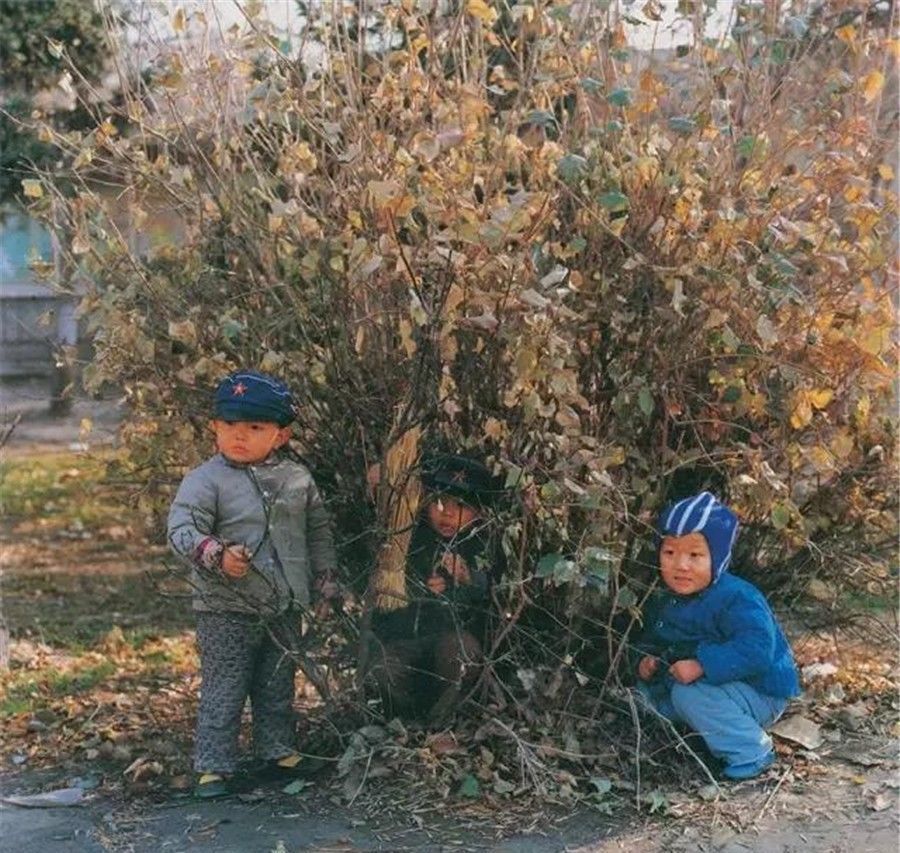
448	516
685	563
248	442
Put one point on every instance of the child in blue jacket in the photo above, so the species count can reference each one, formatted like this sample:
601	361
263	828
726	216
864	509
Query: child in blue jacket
714	656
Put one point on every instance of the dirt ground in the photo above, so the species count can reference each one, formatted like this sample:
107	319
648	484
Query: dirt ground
100	692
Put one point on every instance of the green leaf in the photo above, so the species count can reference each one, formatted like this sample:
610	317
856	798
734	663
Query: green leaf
626	598
614	126
645	401
470	787
591	86
513	477
232	330
602	785
547	565
541	118
296	786
732	394
571	167
620	97
748	145
614	201
683	125
657	801
565	571
780	515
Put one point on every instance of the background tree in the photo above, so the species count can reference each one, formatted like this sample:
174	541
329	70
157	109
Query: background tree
34	36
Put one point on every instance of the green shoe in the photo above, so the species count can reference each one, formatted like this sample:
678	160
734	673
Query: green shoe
212	785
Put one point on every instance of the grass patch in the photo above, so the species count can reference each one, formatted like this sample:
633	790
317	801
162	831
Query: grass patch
29	693
69	488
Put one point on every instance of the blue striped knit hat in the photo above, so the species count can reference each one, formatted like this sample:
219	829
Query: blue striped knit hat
703	514
248	395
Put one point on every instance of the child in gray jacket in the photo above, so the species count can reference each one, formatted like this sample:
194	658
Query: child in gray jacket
252	525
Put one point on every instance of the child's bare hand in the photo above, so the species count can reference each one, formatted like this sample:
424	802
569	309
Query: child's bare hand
235	561
436	584
686	671
456	567
647	668
327	588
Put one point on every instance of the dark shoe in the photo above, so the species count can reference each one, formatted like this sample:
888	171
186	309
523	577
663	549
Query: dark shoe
212	785
289	766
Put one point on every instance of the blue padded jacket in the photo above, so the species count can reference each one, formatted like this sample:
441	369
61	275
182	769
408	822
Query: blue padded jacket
730	628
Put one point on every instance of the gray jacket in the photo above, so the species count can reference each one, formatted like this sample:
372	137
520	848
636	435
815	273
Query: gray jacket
274	509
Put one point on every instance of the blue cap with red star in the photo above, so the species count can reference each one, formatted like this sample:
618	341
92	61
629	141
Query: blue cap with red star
248	395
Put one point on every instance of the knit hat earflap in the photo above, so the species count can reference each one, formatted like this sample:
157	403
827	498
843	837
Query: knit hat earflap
703	514
248	395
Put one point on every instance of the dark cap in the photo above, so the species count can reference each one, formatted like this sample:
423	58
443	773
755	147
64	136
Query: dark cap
462	478
251	396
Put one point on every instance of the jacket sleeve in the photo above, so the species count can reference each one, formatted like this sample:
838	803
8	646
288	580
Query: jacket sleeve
645	642
320	542
749	647
192	519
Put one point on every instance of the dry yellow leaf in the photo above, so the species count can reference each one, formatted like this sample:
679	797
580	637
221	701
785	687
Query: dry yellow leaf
820	397
494	428
886	172
801	413
846	34
479	9
32	188
820	458
842	445
871	85
407	339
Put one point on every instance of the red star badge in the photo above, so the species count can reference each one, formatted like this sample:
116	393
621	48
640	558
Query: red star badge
239	390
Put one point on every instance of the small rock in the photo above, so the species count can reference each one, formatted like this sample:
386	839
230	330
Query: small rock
180	783
36	726
46	716
107	748
854	716
818	670
18	759
120	753
835	694
799	730
373	734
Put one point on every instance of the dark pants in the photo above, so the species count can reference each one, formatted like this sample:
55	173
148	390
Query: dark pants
244	656
424	676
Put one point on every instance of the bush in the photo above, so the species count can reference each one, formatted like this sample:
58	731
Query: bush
618	276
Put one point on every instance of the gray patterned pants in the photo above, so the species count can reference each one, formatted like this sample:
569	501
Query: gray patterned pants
240	656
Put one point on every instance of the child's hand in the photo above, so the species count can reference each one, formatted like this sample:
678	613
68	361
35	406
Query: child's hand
436	584
686	671
235	561
327	588
327	592
456	567
647	668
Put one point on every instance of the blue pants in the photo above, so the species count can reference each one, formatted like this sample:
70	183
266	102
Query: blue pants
731	718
